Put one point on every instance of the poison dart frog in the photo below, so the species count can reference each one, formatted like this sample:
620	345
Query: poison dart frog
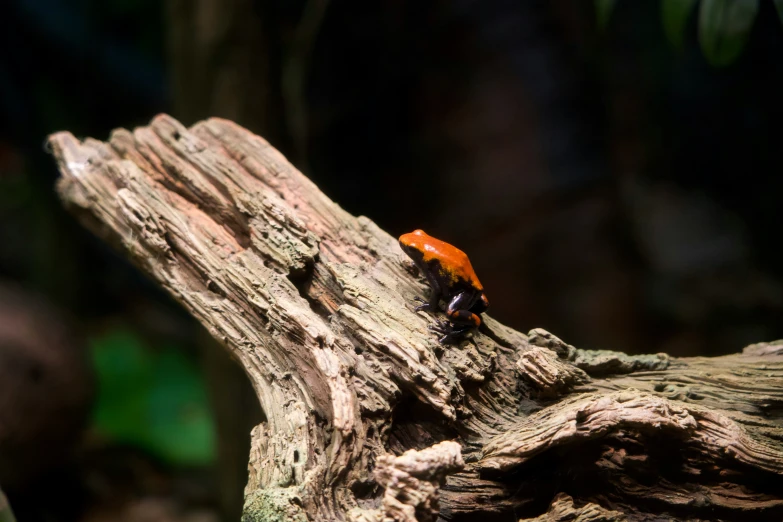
451	277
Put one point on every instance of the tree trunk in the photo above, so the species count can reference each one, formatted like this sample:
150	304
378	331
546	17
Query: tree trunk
367	417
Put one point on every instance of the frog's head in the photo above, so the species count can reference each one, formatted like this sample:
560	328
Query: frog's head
413	244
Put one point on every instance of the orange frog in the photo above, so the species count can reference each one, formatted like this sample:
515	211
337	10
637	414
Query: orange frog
451	277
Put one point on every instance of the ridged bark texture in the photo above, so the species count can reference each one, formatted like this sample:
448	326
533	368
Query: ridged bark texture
368	418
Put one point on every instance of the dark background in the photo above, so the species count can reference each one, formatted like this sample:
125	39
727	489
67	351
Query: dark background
610	184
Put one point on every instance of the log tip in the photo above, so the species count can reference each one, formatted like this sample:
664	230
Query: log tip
764	349
69	152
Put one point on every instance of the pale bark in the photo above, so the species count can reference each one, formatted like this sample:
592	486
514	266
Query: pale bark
316	305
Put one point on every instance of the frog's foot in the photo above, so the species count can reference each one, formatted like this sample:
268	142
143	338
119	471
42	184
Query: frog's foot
447	331
426	306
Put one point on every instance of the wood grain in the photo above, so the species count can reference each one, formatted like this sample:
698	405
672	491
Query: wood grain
360	399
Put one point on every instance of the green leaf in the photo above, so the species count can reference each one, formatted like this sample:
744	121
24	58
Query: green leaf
124	370
674	14
152	398
179	420
6	514
779	5
603	10
724	26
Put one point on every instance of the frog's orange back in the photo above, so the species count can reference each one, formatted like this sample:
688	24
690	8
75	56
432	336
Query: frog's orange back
453	261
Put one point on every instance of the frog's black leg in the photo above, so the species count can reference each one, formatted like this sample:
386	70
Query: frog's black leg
435	292
459	310
464	318
481	305
461	319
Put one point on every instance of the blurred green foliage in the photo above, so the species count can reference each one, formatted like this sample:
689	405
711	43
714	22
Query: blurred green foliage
152	397
6	514
723	25
674	14
603	10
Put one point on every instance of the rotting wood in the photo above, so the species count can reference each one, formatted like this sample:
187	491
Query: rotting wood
316	305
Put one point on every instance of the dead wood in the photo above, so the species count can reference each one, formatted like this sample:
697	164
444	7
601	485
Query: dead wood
359	397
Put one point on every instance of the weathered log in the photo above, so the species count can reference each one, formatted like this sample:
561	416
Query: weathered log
358	395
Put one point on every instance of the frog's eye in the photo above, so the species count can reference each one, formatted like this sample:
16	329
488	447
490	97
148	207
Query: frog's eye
419	232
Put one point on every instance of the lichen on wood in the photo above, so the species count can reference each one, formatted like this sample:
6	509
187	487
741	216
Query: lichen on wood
367	417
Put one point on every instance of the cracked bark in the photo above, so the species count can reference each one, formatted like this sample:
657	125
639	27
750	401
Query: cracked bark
359	398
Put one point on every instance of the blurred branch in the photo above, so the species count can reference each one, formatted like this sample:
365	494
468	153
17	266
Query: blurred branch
296	69
221	54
